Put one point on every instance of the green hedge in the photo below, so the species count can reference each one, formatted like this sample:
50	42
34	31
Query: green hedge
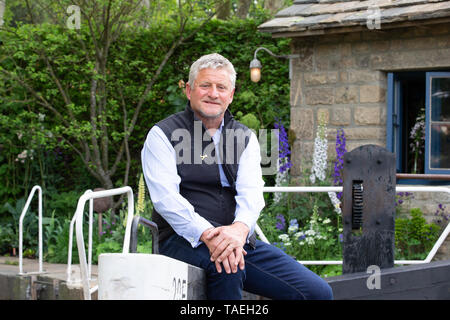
134	58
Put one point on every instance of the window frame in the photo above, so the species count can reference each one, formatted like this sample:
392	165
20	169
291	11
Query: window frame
394	125
429	78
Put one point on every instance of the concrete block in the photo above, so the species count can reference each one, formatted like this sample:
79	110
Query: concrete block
137	276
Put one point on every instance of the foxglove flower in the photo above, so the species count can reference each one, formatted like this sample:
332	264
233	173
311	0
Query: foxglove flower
338	166
284	162
320	156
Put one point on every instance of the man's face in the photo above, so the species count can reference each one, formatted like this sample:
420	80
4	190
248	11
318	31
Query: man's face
211	93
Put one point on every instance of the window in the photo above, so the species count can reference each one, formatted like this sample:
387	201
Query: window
418	121
437	137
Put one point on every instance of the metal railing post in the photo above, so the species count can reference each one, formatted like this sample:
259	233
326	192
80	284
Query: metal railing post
22	216
69	253
87	291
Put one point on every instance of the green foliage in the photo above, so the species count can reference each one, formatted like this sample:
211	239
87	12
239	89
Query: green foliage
414	237
9	233
36	144
42	139
250	121
311	229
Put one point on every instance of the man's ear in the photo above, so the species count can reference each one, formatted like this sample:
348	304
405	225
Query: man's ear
188	91
232	95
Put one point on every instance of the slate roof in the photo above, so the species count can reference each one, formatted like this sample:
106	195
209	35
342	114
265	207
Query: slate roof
312	17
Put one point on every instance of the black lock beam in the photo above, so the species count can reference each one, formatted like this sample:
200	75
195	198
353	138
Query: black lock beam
368	208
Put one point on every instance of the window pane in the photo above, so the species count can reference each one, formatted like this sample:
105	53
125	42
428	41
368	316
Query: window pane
440	99
440	146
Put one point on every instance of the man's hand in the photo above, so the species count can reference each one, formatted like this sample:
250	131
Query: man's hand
226	245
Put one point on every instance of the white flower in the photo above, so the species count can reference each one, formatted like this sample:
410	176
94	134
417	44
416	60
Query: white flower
293	229
298	234
22	155
326	221
335	201
283	237
281	178
320	156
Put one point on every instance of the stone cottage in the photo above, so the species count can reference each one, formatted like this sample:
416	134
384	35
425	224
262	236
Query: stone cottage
372	68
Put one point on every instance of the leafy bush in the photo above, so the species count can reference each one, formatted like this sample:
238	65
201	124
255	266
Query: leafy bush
414	237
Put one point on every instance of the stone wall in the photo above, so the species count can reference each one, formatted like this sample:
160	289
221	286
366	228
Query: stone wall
344	78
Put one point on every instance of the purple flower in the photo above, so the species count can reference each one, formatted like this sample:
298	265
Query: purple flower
283	146
293	223
281	224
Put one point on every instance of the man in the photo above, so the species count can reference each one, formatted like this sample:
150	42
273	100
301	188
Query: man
203	172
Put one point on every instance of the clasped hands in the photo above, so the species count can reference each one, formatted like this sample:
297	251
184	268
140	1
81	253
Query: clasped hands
226	246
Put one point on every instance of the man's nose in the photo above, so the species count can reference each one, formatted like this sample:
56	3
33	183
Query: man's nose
213	92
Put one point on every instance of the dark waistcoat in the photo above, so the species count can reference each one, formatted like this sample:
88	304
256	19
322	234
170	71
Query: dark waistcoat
197	165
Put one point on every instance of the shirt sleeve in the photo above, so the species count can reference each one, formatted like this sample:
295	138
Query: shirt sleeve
249	185
160	172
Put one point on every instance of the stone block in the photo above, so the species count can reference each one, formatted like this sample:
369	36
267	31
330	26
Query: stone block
367	115
320	78
302	123
371	93
362	76
296	92
365	133
301	156
317	96
346	95
340	116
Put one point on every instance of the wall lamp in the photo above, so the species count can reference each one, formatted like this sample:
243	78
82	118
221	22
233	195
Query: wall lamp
255	64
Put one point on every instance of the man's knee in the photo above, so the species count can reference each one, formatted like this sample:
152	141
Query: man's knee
224	285
321	291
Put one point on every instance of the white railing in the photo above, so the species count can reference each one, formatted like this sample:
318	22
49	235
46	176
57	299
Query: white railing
22	216
430	255
87	291
69	254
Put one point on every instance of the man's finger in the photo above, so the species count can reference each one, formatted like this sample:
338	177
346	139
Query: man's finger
218	267
226	266
224	253
212	233
219	249
242	261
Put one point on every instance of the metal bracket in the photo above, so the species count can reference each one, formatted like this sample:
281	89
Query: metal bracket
153	229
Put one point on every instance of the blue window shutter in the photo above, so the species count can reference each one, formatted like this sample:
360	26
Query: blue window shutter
393	123
390	108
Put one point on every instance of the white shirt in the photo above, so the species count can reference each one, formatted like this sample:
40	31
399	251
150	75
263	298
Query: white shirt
160	171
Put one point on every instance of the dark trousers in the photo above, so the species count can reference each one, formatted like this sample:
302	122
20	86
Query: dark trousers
268	272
